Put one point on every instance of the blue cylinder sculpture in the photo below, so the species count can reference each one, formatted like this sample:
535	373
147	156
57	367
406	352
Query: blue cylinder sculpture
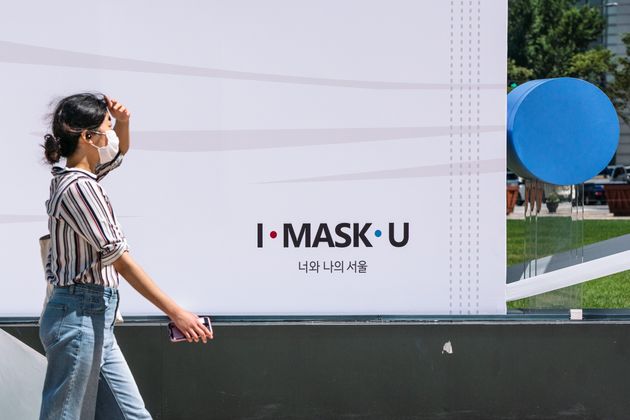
561	131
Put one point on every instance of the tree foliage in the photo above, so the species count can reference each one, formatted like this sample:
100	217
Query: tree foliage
559	38
553	38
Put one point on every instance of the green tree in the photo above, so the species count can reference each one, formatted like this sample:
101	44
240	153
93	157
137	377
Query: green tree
554	38
558	38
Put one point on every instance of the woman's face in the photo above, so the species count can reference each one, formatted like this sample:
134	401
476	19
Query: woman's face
92	139
98	135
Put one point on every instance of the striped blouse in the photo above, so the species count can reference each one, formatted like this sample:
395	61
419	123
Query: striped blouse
85	235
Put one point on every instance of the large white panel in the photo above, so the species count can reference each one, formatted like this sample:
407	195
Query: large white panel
272	112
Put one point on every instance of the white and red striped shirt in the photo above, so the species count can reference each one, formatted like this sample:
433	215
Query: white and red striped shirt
85	235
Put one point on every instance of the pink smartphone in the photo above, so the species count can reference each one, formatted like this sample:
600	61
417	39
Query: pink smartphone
176	335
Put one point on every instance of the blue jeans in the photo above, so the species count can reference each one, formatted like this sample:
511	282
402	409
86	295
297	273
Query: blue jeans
87	376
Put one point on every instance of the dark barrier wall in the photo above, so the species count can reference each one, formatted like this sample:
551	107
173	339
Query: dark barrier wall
384	371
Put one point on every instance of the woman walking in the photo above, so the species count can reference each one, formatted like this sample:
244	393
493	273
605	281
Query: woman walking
87	376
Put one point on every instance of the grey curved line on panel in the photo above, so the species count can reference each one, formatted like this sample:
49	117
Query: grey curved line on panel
459	168
13	52
225	140
25	218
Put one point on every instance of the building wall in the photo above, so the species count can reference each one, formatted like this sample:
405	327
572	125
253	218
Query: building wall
617	15
618	24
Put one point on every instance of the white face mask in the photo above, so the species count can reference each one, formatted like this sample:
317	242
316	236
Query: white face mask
108	153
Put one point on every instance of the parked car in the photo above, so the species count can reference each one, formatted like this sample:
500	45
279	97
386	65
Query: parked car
594	187
615	173
513	179
593	192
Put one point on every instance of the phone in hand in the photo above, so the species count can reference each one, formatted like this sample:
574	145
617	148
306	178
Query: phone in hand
176	335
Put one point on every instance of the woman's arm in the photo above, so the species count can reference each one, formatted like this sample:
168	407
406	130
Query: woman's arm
186	321
122	131
121	114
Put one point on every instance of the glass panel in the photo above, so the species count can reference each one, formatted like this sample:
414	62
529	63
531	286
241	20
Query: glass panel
553	238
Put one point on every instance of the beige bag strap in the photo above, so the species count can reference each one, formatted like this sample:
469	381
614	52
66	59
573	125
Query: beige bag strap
44	248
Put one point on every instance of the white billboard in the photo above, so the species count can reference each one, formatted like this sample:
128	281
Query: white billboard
287	157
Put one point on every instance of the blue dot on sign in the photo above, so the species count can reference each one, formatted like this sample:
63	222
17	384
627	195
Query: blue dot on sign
378	233
561	131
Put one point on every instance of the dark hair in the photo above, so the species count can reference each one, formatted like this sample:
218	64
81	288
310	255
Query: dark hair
72	115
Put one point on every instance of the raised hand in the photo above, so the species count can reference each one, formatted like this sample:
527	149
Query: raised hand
118	110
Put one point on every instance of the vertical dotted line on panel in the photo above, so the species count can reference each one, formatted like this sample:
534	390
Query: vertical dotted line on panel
460	192
450	181
478	154
469	163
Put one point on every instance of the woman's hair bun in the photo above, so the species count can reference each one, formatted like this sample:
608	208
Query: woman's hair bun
52	148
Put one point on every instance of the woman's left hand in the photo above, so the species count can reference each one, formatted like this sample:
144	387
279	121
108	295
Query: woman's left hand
118	110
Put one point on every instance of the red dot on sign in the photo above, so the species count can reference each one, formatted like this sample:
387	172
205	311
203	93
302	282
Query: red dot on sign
273	234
